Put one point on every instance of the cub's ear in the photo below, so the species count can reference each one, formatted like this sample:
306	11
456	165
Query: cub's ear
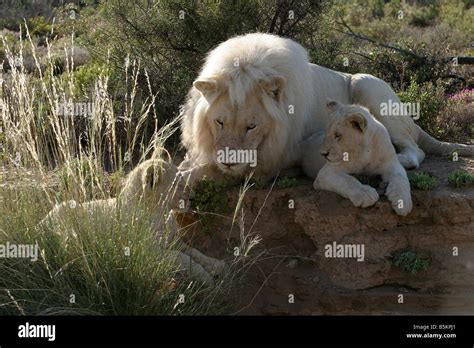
207	85
332	105
274	86
152	176
358	122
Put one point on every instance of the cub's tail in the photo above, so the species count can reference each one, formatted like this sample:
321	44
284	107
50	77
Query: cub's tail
433	146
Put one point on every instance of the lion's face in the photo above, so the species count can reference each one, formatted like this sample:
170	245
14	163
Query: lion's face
345	134
237	133
238	130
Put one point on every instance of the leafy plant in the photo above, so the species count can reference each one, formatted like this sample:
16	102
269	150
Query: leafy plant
285	182
423	181
209	199
460	178
410	262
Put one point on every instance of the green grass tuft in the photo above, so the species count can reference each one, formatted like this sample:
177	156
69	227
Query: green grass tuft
460	178
285	182
423	181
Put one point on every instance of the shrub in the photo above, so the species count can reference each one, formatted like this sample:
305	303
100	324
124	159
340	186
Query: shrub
285	182
423	181
460	178
410	262
431	99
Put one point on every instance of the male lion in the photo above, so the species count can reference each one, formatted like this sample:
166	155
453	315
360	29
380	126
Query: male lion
259	93
356	143
155	184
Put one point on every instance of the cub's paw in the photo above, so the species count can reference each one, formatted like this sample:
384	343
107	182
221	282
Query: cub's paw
400	198
408	160
364	197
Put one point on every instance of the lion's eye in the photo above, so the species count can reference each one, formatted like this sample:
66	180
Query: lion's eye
220	123
251	126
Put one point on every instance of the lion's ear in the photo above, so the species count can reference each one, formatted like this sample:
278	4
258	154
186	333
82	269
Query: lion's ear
207	85
358	122
332	105
274	86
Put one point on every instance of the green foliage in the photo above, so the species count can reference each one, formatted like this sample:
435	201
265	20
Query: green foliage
460	178
80	177
410	262
431	99
209	196
85	77
424	16
209	200
92	264
423	181
285	182
39	26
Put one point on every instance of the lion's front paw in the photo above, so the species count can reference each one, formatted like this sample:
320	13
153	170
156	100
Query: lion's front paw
400	198
364	197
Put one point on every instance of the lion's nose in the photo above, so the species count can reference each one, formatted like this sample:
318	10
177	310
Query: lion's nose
325	153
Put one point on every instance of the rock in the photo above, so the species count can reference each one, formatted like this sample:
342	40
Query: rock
442	221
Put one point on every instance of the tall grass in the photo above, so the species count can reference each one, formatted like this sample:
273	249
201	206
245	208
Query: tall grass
91	263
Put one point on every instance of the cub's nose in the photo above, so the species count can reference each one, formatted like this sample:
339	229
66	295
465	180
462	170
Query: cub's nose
324	153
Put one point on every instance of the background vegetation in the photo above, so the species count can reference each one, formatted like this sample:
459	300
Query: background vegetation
134	61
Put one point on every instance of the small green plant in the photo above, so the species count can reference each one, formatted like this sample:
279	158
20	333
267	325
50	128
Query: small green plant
410	262
285	182
460	178
423	181
209	199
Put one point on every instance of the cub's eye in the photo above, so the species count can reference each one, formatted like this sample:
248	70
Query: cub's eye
337	136
251	126
220	123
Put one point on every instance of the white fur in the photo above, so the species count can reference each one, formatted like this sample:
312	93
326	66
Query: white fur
367	150
237	65
163	195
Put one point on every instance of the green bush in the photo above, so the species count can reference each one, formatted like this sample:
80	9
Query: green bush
285	182
39	26
431	99
410	262
209	200
423	181
460	178
105	262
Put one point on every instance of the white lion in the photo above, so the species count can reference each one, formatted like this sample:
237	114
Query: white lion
258	92
356	143
154	183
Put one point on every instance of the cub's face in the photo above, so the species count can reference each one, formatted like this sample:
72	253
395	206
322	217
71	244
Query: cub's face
345	138
161	183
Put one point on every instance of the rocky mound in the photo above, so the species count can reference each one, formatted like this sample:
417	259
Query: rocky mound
321	255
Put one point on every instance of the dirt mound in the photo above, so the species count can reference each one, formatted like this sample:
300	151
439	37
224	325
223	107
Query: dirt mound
422	263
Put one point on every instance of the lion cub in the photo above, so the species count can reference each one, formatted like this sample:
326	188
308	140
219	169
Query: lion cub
356	143
156	183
